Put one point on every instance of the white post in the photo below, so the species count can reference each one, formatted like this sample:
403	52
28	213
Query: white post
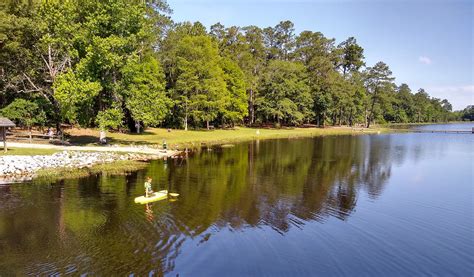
4	134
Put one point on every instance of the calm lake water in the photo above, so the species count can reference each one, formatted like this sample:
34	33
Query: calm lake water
374	205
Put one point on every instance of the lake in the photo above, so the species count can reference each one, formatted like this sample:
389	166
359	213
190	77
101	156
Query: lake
369	205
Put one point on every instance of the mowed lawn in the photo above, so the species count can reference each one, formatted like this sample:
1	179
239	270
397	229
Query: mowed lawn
180	138
26	151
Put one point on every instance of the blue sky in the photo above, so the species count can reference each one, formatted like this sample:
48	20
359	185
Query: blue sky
427	44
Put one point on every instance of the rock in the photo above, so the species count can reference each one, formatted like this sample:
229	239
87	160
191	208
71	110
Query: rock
28	165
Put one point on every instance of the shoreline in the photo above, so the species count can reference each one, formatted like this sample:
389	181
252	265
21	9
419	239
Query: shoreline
71	164
180	140
143	149
151	140
114	168
89	160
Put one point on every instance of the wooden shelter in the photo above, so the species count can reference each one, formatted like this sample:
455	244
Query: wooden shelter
4	124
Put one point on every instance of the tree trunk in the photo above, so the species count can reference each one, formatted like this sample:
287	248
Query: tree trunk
186	115
340	117
56	109
207	124
365	117
371	114
251	108
350	118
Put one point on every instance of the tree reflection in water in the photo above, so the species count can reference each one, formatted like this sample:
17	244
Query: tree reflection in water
92	225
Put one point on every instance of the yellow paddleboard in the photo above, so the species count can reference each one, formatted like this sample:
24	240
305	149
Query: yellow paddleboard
160	195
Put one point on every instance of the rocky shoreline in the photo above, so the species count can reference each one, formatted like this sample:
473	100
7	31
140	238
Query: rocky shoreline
23	168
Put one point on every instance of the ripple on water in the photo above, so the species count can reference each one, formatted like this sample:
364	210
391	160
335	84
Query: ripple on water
325	206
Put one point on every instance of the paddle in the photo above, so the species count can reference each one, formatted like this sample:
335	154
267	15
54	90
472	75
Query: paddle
172	194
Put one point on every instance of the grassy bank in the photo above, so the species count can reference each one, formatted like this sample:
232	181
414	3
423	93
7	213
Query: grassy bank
27	151
115	168
175	139
191	138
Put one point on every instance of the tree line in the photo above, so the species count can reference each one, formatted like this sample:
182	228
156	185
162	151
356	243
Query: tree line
126	65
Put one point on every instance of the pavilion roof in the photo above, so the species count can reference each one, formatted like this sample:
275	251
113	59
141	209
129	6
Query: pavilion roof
5	122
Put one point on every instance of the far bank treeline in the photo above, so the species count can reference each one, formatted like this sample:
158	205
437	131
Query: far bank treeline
125	65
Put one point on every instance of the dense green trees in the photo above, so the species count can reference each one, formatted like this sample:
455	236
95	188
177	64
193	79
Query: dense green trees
379	84
24	112
200	86
126	64
467	114
144	91
235	108
84	61
284	93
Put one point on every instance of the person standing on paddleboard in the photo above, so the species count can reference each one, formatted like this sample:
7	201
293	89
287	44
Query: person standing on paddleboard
148	190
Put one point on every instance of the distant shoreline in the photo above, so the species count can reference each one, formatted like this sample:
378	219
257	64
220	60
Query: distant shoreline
149	146
426	123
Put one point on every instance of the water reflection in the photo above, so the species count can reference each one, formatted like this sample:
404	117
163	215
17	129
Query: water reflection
92	225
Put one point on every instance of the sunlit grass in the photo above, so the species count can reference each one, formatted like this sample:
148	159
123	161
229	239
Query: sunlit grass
27	151
193	138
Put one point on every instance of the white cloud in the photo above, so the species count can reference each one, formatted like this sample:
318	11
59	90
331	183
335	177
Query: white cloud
459	96
456	89
424	59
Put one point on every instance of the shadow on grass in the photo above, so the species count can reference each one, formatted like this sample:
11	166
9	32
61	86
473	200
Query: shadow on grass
141	134
83	140
128	142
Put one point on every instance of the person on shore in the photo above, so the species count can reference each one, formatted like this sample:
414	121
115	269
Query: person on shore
102	137
50	133
148	190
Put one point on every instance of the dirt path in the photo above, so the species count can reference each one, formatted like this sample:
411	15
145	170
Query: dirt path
125	149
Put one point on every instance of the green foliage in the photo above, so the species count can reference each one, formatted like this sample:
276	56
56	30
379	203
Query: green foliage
144	90
468	113
200	86
317	54
279	40
352	55
18	34
25	113
379	84
245	47
76	97
76	58
236	106
285	93
109	119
